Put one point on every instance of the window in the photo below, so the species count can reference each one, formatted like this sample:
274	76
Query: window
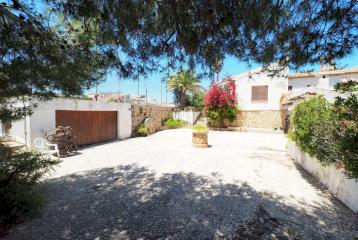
259	93
289	88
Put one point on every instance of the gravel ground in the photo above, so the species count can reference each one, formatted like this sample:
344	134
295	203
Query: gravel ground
160	187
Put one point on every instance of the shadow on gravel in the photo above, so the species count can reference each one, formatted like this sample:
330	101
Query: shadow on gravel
130	202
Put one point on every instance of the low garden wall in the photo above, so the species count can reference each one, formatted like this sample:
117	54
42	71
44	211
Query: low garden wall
188	116
344	188
257	119
260	119
154	113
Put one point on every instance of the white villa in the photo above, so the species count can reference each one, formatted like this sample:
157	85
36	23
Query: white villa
259	93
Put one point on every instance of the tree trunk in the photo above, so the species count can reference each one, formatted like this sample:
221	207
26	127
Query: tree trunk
182	98
6	126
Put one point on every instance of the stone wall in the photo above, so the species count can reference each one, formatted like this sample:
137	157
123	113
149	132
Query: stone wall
258	119
150	115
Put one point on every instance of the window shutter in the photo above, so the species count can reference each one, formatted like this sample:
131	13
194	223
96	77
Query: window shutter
259	93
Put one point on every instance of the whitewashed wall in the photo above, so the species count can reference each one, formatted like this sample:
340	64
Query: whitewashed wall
20	129
344	188
277	86
321	81
188	116
300	83
334	79
44	116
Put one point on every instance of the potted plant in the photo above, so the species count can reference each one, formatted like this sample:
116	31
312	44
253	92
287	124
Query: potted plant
200	136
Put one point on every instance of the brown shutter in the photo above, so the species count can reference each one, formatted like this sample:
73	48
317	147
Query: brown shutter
259	93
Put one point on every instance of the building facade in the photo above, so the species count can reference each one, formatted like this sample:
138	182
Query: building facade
259	92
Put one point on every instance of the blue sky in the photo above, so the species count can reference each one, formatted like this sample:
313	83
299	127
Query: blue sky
232	66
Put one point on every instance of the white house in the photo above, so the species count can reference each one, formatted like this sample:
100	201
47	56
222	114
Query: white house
259	92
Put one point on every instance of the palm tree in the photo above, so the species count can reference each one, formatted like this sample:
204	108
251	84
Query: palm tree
217	67
182	83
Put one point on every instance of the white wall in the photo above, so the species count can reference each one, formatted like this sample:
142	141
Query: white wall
334	79
277	86
44	116
344	188
188	116
20	129
299	83
321	81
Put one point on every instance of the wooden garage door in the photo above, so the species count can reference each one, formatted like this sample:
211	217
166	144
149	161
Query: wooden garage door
89	127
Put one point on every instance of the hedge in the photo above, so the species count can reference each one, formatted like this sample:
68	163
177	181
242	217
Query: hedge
327	131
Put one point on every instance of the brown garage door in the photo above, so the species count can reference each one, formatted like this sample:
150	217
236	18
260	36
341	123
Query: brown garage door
89	127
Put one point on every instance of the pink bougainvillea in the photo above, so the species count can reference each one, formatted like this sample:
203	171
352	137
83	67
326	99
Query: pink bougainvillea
221	101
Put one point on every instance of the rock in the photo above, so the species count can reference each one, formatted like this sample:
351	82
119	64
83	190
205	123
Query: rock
150	124
264	226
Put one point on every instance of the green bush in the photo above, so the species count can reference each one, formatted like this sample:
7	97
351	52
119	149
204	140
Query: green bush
197	101
19	190
141	131
198	127
231	113
312	125
174	123
346	134
328	131
214	114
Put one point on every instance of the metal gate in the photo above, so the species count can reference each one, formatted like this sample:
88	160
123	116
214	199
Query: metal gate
89	127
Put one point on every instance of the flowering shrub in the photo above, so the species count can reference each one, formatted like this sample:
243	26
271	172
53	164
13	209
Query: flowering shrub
220	102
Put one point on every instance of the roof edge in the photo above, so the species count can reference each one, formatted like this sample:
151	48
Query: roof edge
315	74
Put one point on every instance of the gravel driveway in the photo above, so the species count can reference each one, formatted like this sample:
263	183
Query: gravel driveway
160	187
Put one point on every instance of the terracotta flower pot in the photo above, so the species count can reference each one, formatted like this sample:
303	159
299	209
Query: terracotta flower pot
200	138
229	123
216	123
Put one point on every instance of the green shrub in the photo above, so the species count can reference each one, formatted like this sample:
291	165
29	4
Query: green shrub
349	86
19	190
231	113
197	101
312	126
199	127
328	131
141	131
214	114
174	123
346	133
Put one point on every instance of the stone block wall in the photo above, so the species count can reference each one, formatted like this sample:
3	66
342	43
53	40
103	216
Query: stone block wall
258	119
150	115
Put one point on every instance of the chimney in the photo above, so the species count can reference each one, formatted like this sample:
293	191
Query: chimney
327	65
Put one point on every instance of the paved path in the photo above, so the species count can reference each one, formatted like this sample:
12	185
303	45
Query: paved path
160	187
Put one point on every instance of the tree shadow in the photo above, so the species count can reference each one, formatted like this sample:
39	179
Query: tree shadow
131	202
